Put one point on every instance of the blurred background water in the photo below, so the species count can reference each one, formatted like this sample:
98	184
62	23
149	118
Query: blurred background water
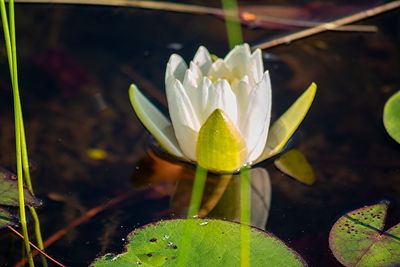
87	146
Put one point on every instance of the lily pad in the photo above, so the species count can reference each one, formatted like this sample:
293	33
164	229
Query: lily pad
295	164
391	116
213	243
7	219
9	191
357	238
286	125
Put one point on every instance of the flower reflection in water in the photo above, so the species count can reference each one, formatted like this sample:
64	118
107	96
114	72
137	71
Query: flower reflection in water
221	195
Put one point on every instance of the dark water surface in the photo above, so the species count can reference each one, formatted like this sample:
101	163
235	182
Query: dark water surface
76	64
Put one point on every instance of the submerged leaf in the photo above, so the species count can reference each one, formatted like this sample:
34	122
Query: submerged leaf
7	219
286	125
295	164
9	191
356	239
212	243
391	116
220	146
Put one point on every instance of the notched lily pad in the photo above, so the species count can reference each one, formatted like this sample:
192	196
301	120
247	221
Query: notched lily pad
9	191
7	219
295	164
391	116
357	238
213	243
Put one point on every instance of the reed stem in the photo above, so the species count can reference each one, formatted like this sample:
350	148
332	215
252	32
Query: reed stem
20	140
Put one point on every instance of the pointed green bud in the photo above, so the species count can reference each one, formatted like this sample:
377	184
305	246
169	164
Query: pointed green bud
220	146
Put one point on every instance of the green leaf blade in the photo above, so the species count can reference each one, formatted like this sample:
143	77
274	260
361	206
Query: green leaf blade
7	219
9	191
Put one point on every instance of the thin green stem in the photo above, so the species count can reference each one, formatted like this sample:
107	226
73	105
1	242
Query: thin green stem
245	213
38	234
21	188
25	158
27	176
197	191
9	45
21	148
232	22
194	206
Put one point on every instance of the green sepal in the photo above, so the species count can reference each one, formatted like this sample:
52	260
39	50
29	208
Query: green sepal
220	146
286	125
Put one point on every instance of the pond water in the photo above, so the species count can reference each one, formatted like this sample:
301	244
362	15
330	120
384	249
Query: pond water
87	146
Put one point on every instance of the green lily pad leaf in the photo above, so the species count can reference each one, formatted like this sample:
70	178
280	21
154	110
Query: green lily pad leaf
295	164
7	219
357	238
391	116
220	146
213	243
286	125
9	191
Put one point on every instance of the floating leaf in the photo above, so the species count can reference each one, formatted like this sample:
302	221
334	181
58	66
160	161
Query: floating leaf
391	116
220	146
357	239
6	218
286	125
213	243
9	191
295	164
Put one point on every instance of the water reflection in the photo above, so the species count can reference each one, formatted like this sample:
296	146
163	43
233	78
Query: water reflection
221	196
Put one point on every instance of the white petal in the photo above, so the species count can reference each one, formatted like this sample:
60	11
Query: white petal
194	74
205	90
242	92
259	147
256	66
192	78
237	60
155	122
255	122
219	70
221	96
184	118
203	59
176	68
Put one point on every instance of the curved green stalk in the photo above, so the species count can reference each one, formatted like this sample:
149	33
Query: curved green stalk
27	176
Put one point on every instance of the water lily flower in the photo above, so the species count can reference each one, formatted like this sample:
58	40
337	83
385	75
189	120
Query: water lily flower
220	111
